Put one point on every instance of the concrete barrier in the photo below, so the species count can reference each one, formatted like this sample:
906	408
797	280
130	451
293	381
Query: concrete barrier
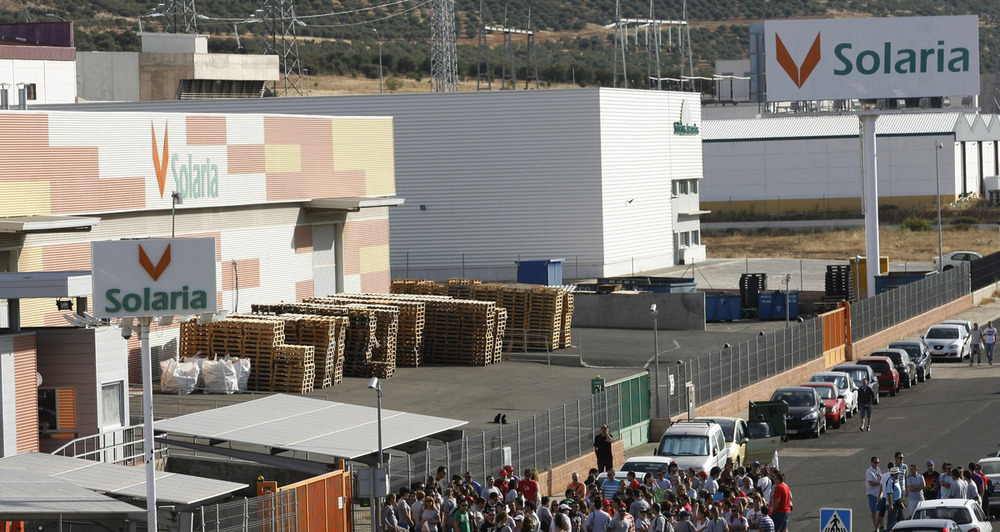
630	310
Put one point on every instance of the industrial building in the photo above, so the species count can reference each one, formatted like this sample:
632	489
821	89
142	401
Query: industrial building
298	206
812	163
37	64
607	179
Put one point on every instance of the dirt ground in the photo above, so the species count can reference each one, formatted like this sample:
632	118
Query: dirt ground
901	246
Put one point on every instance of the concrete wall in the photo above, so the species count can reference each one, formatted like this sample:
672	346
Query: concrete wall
174	43
236	67
630	310
107	76
231	471
553	482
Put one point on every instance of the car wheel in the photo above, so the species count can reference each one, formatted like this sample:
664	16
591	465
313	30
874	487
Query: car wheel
920	376
822	429
928	374
836	424
892	392
907	383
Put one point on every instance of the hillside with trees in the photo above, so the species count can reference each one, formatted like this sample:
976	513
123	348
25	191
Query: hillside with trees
572	43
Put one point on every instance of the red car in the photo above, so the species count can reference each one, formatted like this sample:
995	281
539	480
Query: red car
888	377
836	407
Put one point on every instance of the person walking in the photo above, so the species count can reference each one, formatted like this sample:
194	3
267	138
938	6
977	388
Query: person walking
976	341
873	481
866	398
989	342
602	449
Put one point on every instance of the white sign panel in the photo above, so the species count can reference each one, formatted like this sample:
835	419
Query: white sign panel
154	277
904	57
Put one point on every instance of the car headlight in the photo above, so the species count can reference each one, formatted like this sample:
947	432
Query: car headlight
811	416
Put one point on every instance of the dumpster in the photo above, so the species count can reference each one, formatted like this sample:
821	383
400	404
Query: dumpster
884	283
720	306
659	285
771	305
545	272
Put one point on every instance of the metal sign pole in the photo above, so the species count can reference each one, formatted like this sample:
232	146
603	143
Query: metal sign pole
147	419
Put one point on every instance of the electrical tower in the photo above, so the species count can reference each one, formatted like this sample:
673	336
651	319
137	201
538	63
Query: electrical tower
444	54
179	17
279	39
651	41
483	72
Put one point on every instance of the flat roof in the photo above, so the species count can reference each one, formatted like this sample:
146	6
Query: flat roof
25	493
15	285
125	481
293	423
26	224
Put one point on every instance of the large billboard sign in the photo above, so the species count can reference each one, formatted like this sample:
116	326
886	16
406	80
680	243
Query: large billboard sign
154	277
904	57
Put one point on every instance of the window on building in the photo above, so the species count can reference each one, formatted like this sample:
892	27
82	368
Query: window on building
696	238
112	401
685	239
684	187
674	187
31	90
57	413
694	186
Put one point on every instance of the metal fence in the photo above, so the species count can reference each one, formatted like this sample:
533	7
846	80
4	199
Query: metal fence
874	314
985	271
722	372
546	439
273	512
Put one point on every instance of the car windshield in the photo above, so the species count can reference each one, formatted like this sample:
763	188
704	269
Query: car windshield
858	374
795	398
841	382
825	392
912	349
682	445
875	364
959	515
991	468
943	333
891	355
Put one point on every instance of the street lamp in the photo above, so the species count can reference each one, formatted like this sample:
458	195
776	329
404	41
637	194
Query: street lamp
175	200
53	15
937	181
374	384
656	359
379	39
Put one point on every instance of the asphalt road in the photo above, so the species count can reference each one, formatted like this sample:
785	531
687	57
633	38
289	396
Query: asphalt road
951	418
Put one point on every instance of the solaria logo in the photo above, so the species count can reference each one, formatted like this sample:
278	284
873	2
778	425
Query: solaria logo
684	125
180	300
191	180
889	60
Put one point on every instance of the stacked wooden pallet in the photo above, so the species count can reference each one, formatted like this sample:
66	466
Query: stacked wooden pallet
545	317
294	369
196	338
409	317
226	338
499	329
566	339
418	287
260	340
462	288
326	335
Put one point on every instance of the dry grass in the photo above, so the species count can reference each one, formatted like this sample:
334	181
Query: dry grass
902	246
334	85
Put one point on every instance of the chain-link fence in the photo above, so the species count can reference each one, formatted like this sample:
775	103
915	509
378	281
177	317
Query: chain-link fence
874	314
542	441
722	372
985	271
273	512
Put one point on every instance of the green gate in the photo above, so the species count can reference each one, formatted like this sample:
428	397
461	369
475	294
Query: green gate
634	403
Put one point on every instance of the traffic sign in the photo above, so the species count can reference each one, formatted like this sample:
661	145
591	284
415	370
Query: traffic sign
835	519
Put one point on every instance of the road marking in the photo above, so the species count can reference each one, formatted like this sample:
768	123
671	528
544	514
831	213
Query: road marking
799	452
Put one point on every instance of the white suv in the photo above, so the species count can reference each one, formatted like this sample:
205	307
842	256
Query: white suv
966	512
697	444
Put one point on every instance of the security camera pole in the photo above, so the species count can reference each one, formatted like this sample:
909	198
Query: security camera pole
656	360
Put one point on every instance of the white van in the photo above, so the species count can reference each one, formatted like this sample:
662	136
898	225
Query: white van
697	444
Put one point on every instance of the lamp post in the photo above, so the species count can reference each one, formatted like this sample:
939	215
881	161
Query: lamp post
656	359
937	181
374	384
379	39
53	15
175	200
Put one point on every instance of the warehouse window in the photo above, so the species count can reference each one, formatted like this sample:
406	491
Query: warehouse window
31	90
685	239
112	399
696	238
684	187
694	186
674	187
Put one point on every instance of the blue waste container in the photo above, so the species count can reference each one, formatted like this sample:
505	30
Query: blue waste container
545	272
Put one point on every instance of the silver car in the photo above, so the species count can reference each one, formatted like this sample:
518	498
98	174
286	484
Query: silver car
846	387
947	341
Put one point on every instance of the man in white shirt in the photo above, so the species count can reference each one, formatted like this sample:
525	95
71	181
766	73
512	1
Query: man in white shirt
989	342
873	482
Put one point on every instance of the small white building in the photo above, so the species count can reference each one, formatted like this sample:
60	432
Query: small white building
38	60
607	179
812	163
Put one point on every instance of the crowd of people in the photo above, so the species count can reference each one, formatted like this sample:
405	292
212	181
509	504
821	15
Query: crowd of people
894	494
730	499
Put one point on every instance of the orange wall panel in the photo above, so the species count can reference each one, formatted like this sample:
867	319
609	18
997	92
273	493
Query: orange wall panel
206	130
26	392
248	271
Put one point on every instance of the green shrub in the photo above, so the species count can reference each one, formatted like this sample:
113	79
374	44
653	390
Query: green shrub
961	226
964	220
916	224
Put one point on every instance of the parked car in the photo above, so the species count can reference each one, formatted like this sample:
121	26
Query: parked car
965	512
966	324
947	341
858	373
888	377
991	470
953	259
846	387
836	408
904	365
697	444
640	465
806	411
919	355
743	445
926	525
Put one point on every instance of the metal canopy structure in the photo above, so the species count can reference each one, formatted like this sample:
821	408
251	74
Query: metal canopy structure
313	426
123	481
28	494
